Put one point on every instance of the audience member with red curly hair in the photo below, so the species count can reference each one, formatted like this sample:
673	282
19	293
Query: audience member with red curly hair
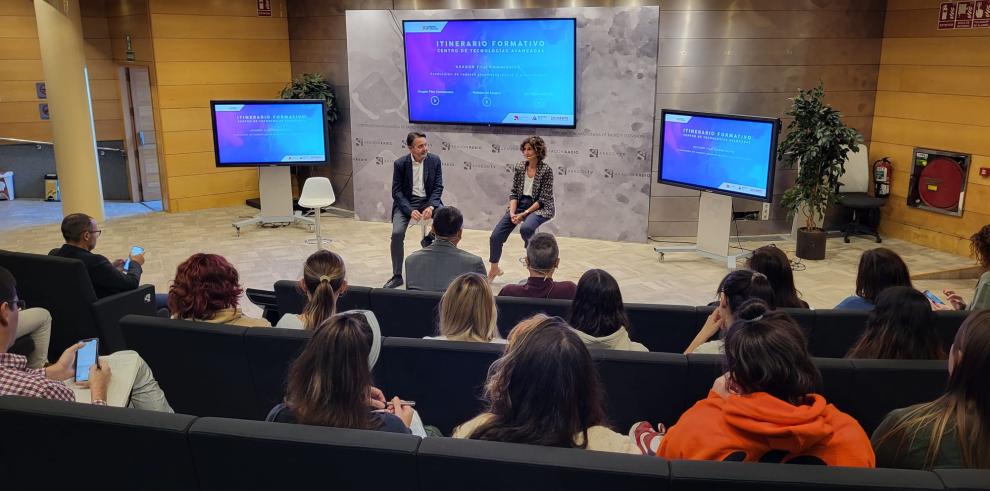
207	288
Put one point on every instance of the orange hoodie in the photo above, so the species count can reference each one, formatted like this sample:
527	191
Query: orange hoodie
758	426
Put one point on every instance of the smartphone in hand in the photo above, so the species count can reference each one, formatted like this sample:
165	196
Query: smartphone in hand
933	297
136	250
85	358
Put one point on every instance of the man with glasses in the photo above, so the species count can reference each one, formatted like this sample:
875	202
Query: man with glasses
53	382
80	232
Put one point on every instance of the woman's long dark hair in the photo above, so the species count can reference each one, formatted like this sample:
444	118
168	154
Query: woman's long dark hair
769	353
544	390
328	383
597	309
964	408
901	327
775	265
879	269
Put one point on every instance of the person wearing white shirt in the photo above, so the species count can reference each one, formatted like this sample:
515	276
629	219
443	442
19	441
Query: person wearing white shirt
417	186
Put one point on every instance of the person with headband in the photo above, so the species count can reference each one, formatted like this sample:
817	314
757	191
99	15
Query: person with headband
598	315
768	406
736	289
323	282
542	261
330	383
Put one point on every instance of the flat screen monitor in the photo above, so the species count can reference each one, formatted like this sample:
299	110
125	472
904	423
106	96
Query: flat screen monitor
719	153
493	72
269	132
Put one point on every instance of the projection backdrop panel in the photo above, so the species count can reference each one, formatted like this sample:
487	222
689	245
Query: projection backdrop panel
601	168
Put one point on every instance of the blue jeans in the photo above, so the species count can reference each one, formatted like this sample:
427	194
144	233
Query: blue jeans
504	227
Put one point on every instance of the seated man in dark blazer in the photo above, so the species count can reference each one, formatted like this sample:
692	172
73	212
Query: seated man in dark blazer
432	268
81	232
417	185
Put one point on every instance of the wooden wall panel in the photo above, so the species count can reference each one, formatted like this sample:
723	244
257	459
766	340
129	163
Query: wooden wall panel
21	68
932	93
209	50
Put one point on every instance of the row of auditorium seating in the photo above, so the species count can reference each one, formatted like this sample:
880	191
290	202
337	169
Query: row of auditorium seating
62	286
238	372
116	449
661	328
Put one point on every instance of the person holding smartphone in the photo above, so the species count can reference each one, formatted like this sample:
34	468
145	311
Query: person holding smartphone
52	382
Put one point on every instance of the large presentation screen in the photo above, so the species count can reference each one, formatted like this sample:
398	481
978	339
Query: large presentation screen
274	132
725	154
513	72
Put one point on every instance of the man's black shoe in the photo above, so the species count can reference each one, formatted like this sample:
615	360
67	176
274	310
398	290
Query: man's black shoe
427	240
395	282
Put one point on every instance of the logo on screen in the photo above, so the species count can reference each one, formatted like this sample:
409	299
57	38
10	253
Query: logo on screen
358	141
563	171
564	152
380	160
496	148
640	155
508	167
467	165
445	146
429	28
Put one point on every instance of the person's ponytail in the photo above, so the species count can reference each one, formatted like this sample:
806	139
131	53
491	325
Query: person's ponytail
321	306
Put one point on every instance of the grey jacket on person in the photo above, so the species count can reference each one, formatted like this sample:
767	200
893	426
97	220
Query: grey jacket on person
433	268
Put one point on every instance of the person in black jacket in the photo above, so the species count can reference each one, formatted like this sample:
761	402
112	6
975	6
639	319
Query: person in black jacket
81	232
417	185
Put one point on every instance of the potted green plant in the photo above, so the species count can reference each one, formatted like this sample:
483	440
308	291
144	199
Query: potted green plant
313	86
816	144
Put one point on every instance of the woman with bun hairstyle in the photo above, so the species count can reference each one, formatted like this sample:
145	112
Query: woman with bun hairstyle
774	264
735	289
768	406
323	281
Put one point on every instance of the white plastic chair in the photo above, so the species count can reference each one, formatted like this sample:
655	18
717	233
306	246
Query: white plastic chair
317	193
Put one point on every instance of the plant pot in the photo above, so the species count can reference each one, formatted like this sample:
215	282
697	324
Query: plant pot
811	243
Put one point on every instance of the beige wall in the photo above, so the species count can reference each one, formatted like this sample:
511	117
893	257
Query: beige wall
20	68
933	92
203	50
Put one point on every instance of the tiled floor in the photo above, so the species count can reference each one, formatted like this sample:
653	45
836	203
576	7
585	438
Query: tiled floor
263	255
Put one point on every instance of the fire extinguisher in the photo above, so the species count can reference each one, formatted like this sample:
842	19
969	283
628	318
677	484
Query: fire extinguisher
882	170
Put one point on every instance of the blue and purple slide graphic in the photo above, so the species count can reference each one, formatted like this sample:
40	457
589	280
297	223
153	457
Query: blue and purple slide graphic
731	155
258	133
517	72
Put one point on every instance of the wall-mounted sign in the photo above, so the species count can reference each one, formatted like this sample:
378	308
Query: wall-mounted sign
41	90
43	111
964	15
130	48
947	15
264	8
981	15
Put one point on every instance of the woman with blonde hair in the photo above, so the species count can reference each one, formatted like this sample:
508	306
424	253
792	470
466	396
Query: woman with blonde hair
468	312
323	281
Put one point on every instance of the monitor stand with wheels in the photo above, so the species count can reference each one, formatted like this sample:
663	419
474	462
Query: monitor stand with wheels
714	222
275	185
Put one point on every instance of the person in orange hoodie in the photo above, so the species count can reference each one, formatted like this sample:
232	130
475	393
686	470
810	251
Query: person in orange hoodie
766	408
